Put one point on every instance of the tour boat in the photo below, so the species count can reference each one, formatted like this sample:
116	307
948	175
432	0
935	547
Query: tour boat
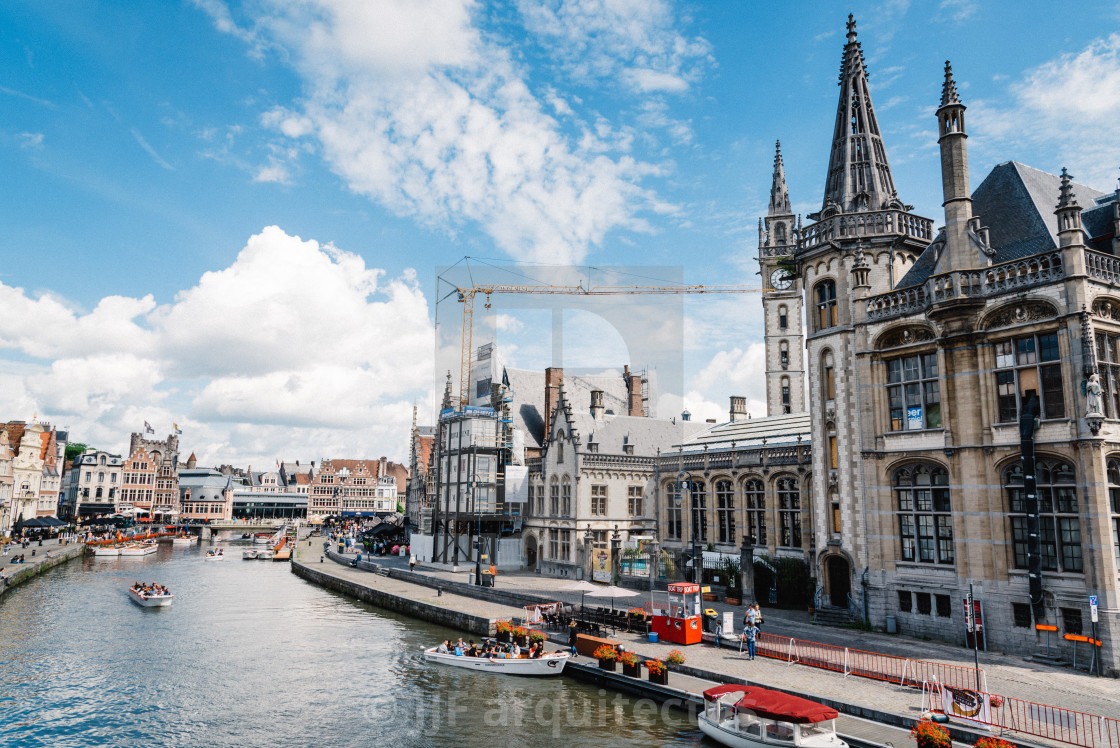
248	555
139	549
263	539
106	550
215	554
549	664
184	540
753	717
150	600
265	555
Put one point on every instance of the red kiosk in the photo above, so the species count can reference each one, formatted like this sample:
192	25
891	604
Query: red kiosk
677	620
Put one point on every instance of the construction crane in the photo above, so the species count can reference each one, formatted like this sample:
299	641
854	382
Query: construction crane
467	294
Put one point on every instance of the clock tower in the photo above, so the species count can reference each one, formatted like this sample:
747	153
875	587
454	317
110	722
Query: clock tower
781	301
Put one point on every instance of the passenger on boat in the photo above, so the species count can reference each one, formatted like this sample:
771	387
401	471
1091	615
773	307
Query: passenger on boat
443	648
472	650
458	650
515	651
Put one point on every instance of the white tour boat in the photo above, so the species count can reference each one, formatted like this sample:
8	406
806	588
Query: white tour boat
263	539
265	555
138	549
248	555
216	554
549	664
150	599
753	717
106	550
184	540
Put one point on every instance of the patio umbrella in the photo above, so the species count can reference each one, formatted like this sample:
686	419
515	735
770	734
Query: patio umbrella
581	586
612	592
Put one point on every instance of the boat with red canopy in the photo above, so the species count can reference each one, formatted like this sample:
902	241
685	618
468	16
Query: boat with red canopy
752	716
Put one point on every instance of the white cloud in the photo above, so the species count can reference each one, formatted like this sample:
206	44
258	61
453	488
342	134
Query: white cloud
273	172
958	11
31	140
421	108
1065	108
149	150
503	323
293	337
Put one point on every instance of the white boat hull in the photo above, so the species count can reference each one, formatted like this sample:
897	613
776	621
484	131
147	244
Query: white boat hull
138	550
548	665
248	555
727	734
184	541
144	601
216	557
264	555
106	551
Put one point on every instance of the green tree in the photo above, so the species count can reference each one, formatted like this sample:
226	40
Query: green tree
73	449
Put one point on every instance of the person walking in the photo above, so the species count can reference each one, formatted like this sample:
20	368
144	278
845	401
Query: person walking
719	633
412	563
572	634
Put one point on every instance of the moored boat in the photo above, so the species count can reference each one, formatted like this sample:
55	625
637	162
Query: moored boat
265	555
248	555
106	550
139	549
185	540
754	717
549	664
150	599
263	539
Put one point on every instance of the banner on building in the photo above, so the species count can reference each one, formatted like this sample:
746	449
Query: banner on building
517	484
601	565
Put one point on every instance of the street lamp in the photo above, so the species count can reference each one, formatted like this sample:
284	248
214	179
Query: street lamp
478	530
684	482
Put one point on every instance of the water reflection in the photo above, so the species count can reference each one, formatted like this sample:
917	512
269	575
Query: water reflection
250	655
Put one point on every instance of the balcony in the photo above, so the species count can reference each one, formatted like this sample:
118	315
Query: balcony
867	225
1008	277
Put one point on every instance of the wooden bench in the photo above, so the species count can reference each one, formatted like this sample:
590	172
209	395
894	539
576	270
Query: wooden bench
586	644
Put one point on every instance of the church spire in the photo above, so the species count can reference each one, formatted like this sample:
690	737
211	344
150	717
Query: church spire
779	195
447	401
859	177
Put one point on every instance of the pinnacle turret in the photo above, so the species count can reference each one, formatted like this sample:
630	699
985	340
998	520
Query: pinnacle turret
779	195
859	177
949	87
1066	198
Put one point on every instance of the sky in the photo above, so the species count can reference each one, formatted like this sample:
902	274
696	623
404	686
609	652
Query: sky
234	216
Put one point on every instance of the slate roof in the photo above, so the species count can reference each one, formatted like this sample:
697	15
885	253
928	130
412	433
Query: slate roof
778	431
646	435
1016	203
527	387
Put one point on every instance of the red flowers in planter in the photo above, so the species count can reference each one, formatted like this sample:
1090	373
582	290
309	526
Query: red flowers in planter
629	659
931	735
675	657
655	667
605	652
993	743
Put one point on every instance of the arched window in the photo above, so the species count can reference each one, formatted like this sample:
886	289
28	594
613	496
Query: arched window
925	520
554	497
754	495
699	505
725	511
672	510
102	459
1059	525
789	512
828	377
780	233
783	317
1114	502
825	292
566	497
783	354
785	395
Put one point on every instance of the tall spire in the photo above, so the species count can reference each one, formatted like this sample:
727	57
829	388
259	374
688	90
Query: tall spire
859	177
949	87
779	195
447	401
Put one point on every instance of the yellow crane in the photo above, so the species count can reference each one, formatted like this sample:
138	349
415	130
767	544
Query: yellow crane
467	294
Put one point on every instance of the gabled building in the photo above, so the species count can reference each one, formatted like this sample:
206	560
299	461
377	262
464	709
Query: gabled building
205	494
348	488
926	349
92	485
163	458
7	479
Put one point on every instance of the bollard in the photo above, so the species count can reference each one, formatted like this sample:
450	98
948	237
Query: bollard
320	559
439	591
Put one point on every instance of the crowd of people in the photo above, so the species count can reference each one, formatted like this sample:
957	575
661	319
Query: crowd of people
490	648
150	590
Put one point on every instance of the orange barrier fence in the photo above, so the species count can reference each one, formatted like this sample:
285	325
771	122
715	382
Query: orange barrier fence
901	670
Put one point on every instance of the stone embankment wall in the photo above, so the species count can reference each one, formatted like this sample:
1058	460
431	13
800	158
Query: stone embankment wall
20	573
432	613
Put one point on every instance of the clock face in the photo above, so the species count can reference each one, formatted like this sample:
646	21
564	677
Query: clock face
780	280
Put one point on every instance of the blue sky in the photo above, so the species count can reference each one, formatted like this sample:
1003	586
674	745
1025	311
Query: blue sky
230	215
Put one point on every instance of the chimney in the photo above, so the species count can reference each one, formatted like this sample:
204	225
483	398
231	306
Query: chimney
597	407
634	392
738	408
383	467
553	376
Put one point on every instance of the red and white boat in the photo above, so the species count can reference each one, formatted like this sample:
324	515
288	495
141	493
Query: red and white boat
754	717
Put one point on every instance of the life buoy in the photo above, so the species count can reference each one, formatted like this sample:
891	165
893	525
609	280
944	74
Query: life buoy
694	625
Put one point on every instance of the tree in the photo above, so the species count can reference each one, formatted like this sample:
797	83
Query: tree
73	449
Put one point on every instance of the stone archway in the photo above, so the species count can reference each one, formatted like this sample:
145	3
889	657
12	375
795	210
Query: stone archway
531	552
838	574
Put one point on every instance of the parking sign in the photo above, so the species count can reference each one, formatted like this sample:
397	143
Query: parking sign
1093	608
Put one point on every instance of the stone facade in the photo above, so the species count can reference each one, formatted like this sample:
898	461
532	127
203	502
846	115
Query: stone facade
163	457
923	350
93	484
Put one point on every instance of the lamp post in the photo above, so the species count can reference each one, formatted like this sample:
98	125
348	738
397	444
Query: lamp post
478	530
589	558
684	482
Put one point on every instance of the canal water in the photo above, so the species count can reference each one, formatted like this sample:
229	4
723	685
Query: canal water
251	655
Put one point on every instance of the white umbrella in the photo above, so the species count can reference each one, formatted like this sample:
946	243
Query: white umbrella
612	592
582	586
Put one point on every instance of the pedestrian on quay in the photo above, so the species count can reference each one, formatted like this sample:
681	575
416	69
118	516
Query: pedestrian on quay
412	563
572	634
719	633
751	634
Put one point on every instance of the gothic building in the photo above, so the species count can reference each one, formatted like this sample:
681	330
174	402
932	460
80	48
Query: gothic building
924	346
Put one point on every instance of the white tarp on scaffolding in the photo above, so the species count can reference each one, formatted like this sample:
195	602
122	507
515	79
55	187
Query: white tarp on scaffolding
517	484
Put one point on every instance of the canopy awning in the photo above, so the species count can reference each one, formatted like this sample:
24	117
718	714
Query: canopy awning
37	522
777	705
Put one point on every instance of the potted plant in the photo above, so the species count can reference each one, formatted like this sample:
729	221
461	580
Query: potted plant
632	666
607	657
658	673
734	588
930	735
992	742
536	637
521	635
504	631
675	657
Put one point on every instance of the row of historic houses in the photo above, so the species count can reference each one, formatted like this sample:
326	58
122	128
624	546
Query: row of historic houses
901	356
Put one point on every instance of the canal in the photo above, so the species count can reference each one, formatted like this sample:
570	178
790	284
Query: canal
251	655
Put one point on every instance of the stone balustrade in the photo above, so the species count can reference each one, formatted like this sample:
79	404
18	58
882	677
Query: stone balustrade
873	223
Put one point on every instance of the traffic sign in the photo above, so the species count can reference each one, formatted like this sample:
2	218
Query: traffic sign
1093	608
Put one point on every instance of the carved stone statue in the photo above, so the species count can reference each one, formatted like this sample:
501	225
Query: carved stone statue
1093	403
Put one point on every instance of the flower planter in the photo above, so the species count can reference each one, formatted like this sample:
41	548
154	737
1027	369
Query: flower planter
733	599
521	641
709	597
611	665
662	678
504	637
633	671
